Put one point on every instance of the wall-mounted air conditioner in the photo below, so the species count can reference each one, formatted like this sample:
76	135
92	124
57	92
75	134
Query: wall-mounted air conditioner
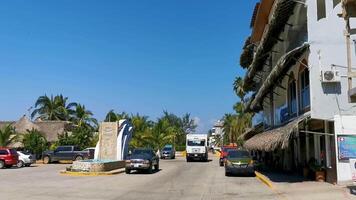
330	76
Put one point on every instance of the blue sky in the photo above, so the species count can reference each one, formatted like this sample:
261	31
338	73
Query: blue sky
138	56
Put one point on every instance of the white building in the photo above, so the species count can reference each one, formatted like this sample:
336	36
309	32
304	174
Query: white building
297	69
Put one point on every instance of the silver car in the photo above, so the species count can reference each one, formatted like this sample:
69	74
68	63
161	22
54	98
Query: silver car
25	159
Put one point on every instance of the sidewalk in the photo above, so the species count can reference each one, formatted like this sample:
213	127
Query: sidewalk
297	188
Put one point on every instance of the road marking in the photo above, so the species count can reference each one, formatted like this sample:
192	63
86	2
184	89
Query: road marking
269	183
114	172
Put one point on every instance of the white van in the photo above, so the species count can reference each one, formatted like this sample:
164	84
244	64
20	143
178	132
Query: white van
197	147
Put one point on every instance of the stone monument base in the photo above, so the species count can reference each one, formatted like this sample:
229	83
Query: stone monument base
95	166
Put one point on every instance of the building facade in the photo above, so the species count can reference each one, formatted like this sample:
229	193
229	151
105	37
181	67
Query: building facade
299	58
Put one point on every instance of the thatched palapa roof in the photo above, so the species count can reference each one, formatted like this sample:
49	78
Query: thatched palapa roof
283	10
277	73
276	138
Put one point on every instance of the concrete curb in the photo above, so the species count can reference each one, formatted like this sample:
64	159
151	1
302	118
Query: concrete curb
113	172
264	180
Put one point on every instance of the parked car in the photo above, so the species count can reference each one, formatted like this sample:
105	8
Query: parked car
239	162
25	159
8	157
142	159
168	152
91	151
64	153
223	153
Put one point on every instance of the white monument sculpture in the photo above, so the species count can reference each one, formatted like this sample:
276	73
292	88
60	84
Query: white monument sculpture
114	138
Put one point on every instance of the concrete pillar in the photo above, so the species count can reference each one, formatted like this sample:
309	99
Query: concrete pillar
327	145
317	147
307	143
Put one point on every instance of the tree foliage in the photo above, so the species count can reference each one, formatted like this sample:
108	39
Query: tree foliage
34	141
8	136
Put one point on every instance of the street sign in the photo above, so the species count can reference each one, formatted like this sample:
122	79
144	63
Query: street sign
353	169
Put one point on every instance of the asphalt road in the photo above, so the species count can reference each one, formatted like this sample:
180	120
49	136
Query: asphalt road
176	179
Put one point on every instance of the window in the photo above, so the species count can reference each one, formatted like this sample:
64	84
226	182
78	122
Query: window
13	152
292	98
3	152
304	89
196	142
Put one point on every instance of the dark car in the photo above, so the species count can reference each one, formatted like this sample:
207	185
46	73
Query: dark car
168	152
142	160
64	153
239	162
8	157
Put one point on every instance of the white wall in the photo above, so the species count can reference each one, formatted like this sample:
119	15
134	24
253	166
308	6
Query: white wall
327	37
344	125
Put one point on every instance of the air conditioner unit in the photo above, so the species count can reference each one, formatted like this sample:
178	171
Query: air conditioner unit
330	76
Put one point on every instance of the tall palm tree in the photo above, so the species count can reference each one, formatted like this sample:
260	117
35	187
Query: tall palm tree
238	88
52	108
162	133
8	136
83	117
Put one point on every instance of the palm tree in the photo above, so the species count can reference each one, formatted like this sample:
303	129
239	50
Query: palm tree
142	129
82	117
52	108
111	116
8	136
238	88
34	141
162	133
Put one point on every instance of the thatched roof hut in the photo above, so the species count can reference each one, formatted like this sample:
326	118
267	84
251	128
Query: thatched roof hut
50	129
277	138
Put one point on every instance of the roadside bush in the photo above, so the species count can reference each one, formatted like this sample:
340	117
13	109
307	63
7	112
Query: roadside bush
35	142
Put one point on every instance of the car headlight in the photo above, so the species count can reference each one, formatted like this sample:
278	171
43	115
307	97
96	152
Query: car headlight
251	162
128	161
146	162
227	162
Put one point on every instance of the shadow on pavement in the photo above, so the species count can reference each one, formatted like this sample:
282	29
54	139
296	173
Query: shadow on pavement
135	172
284	177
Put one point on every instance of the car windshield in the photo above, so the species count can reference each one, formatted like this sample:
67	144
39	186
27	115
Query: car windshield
167	149
196	142
141	151
238	154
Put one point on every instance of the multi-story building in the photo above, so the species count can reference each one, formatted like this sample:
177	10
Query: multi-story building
300	58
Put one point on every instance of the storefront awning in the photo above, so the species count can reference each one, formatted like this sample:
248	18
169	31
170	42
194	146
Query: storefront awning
277	73
283	10
277	138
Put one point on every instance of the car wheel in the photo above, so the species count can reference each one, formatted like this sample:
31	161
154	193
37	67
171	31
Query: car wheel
20	164
227	173
157	167
78	158
127	171
2	164
46	160
188	159
149	170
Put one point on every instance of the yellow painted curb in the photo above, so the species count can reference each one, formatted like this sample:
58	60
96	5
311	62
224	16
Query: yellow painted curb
64	172
264	179
184	153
